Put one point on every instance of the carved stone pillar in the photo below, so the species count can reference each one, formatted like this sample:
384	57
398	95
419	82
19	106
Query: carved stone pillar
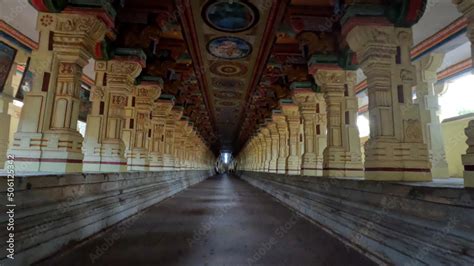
427	100
158	120
342	156
179	143
268	148
466	7
310	104
173	117
282	127
262	148
395	149
139	130
104	147
47	138
292	114
275	146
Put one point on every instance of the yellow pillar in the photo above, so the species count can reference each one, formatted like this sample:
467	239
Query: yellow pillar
140	128
103	145
279	118
158	122
170	128
275	146
47	138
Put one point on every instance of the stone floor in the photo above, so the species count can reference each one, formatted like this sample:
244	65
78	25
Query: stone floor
221	221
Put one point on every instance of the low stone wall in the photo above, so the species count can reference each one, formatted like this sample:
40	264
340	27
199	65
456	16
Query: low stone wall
390	223
56	211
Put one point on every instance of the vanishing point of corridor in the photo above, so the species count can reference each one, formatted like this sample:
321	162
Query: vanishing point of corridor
220	221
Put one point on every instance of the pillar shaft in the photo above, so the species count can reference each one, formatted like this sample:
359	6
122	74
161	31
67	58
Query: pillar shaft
342	156
293	120
158	121
427	100
282	128
395	150
104	148
311	104
275	146
138	134
47	139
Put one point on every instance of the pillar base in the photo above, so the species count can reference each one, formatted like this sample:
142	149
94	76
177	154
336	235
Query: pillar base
311	166
156	162
137	160
468	162
395	161
281	166
106	157
49	152
168	162
293	165
343	164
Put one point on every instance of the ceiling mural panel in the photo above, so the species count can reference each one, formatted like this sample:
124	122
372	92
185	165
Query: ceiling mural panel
230	16
229	48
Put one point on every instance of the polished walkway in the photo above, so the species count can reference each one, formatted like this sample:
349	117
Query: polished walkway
221	221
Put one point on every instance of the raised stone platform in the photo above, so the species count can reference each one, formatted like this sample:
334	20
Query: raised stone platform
55	211
392	223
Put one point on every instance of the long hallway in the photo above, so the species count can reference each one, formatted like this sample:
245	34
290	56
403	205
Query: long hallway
220	221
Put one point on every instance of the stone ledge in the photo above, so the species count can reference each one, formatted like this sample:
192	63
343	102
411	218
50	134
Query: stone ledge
390	223
58	211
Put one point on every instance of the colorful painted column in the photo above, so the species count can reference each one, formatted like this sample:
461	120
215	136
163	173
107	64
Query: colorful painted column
103	145
310	105
466	7
395	149
47	138
292	114
427	100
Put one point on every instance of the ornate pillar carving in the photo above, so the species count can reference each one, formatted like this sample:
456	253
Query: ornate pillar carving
104	147
47	138
466	7
342	156
262	149
311	106
158	121
395	149
275	146
140	127
170	128
427	100
268	148
282	127
292	114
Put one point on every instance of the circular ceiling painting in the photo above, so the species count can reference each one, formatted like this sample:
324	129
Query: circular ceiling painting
230	16
229	69
227	94
229	48
225	84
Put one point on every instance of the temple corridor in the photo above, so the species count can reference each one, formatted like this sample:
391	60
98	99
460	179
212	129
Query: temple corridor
220	221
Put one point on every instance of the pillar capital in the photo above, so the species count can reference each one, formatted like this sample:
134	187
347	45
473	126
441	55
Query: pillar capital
331	78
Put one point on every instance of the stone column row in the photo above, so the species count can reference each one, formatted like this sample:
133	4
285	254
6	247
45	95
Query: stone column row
129	128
